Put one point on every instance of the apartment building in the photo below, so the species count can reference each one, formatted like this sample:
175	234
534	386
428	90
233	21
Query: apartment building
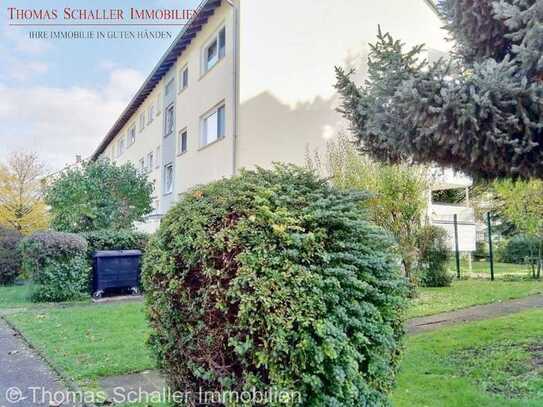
251	82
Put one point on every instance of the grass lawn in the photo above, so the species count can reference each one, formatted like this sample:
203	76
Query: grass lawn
465	293
14	296
491	363
18	296
87	342
483	267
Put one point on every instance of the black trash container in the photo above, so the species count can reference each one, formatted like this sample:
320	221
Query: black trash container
116	269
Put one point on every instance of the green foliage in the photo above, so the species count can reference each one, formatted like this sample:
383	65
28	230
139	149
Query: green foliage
10	257
520	249
100	195
434	257
398	192
481	251
57	265
481	113
109	239
522	204
274	279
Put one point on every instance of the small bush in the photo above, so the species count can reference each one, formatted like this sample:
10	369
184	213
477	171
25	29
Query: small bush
481	251
520	249
10	258
434	257
58	266
274	279
115	240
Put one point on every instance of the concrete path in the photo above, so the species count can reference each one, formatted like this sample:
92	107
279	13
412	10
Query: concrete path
475	313
120	388
25	378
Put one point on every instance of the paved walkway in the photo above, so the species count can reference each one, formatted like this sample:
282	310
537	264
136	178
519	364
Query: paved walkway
21	369
475	313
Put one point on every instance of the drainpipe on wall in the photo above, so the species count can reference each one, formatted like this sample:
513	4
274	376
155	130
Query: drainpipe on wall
236	90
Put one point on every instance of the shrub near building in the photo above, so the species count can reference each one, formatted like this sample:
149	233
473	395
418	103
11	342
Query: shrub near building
10	258
274	279
108	239
57	264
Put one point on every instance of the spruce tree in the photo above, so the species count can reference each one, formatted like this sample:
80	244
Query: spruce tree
480	111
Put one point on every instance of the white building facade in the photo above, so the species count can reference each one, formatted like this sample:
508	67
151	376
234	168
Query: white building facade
250	83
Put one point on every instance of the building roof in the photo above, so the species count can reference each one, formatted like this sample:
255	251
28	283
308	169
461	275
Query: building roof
205	10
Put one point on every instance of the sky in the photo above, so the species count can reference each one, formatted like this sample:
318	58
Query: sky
59	97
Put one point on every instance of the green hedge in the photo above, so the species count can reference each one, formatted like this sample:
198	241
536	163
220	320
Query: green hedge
10	257
519	249
434	257
274	279
115	240
58	266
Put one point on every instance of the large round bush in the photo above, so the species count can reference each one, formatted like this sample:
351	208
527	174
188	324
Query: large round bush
10	258
274	279
57	265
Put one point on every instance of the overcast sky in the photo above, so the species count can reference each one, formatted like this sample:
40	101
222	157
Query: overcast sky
58	98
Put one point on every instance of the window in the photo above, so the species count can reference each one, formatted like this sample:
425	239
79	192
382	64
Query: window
150	113
169	120
122	146
142	121
183	78
150	161
213	126
182	143
142	164
157	157
215	50
131	135
158	104
170	87
168	178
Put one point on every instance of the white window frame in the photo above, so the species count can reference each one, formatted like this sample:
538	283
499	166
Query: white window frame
183	79
167	129
142	121
170	87
205	138
131	135
150	113
168	189
142	164
159	104
180	141
121	146
207	64
157	158
150	161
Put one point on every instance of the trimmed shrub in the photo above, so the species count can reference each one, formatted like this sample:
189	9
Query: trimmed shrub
109	239
434	257
275	280
58	266
10	257
520	249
